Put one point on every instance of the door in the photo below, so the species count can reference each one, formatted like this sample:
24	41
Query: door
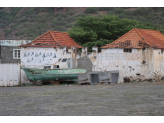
94	78
114	77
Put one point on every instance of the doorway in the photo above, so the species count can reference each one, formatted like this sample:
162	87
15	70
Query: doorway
94	78
114	77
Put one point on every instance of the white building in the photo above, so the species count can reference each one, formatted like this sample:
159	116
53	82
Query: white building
46	50
138	53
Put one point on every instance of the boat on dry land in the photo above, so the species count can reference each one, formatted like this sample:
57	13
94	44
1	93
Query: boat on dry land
53	74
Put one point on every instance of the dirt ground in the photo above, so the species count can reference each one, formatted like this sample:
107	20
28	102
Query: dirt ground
139	99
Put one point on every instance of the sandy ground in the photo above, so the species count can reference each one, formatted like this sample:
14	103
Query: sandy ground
138	99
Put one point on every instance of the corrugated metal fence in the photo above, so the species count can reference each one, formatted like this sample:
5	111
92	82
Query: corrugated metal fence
9	74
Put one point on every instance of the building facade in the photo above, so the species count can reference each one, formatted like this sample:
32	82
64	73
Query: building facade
10	50
10	62
46	50
138	53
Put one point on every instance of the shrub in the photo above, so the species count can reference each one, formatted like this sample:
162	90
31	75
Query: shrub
60	28
2	25
128	12
62	15
39	9
81	15
7	20
58	23
33	15
20	32
119	11
160	18
121	16
7	31
162	14
70	19
30	34
4	14
142	11
125	7
60	19
156	9
43	20
131	17
50	9
70	13
105	8
68	25
15	10
39	26
23	20
30	11
91	10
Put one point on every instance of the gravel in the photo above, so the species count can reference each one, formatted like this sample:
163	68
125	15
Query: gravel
128	99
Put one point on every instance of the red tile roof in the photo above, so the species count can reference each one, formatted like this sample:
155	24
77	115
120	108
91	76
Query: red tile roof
53	39
139	38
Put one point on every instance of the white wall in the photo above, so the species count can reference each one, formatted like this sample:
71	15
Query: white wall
39	57
158	64
10	74
130	63
139	65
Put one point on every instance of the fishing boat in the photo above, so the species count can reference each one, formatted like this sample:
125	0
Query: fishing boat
53	74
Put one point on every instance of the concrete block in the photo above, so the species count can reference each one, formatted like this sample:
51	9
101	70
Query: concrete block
83	78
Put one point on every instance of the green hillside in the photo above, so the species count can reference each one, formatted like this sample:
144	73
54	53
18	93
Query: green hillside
29	23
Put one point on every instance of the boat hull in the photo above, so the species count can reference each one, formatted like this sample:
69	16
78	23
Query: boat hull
53	74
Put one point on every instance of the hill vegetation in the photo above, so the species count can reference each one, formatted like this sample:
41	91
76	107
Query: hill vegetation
29	23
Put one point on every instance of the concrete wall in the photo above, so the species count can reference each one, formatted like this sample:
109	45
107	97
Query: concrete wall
0	53
7	54
6	50
85	63
136	66
39	57
100	76
158	64
139	65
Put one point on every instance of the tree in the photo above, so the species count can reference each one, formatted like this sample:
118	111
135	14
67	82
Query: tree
97	31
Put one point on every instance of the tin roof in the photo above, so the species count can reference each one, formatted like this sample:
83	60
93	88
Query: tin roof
53	39
139	38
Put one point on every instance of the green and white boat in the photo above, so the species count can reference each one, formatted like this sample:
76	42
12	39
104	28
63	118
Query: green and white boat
53	74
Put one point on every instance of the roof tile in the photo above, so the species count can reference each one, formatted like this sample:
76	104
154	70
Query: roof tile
139	38
53	39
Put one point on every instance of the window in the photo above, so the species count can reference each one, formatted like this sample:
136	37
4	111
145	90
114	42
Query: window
128	50
59	60
16	53
47	67
64	60
56	66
